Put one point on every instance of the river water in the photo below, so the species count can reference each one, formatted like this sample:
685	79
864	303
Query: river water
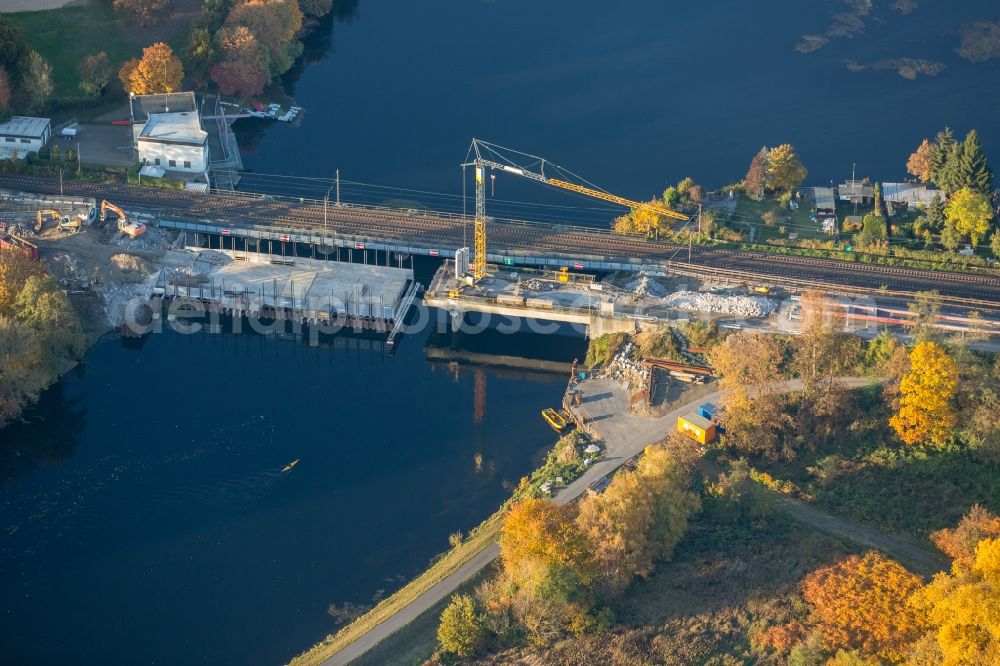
144	513
631	97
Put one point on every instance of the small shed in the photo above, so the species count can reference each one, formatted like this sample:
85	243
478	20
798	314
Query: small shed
826	204
708	411
696	427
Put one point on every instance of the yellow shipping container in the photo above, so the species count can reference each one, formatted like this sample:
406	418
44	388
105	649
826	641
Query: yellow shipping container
696	427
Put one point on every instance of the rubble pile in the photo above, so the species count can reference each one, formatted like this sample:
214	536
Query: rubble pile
535	284
645	286
740	306
625	368
153	239
132	268
21	231
185	275
120	301
67	270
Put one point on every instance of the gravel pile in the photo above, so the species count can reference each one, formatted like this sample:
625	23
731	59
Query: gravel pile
625	368
153	239
646	286
185	275
741	306
534	284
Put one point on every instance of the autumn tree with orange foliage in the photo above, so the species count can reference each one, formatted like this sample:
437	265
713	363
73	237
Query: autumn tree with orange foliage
638	519
959	543
927	391
158	71
862	603
921	162
964	607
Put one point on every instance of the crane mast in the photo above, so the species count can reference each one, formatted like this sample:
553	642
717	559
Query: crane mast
481	163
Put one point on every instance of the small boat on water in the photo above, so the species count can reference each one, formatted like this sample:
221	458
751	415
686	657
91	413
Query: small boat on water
289	466
554	419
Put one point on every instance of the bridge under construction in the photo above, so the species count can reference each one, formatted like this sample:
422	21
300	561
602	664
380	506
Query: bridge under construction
288	223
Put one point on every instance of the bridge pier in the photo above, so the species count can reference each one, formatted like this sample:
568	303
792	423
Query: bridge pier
457	319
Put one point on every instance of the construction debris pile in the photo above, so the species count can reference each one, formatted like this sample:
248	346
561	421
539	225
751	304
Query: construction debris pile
537	285
133	268
626	368
646	287
153	239
740	306
67	270
121	301
20	230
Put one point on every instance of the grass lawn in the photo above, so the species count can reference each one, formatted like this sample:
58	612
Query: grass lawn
65	36
794	221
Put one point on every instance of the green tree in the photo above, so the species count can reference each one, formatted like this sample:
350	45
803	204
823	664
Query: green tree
925	308
944	143
971	214
461	630
995	243
199	53
39	73
935	214
95	73
974	168
785	170
950	237
13	50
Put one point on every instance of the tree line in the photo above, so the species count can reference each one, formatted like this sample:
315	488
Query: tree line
40	333
869	609
240	46
561	565
927	385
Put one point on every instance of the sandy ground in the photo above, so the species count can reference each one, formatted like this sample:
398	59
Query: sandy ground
30	5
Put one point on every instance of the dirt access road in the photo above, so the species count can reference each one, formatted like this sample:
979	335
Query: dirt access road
625	435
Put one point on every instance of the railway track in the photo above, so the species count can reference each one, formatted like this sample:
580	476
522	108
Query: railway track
515	237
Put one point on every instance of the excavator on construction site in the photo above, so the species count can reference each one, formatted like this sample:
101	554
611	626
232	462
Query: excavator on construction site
483	155
132	229
54	215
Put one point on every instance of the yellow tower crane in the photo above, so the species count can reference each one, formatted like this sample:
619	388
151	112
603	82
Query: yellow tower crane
487	155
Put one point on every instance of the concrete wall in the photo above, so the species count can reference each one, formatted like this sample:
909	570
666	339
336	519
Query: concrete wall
150	151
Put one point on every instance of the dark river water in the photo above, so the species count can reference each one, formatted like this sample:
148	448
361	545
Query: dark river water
146	518
629	96
144	514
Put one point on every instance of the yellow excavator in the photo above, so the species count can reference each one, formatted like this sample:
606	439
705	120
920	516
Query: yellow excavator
54	215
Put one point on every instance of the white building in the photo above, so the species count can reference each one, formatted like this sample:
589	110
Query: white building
174	141
24	135
168	133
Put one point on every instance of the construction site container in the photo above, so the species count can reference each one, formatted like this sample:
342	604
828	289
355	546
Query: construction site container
696	427
708	411
505	299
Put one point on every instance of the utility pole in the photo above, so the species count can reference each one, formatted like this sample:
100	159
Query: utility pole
60	183
699	219
79	160
689	245
854	184
338	187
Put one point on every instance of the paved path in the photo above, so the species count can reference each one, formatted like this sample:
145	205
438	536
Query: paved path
605	405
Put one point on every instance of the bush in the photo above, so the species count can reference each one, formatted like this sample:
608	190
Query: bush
461	630
603	348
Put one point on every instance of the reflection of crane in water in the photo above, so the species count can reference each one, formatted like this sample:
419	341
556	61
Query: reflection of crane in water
479	415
